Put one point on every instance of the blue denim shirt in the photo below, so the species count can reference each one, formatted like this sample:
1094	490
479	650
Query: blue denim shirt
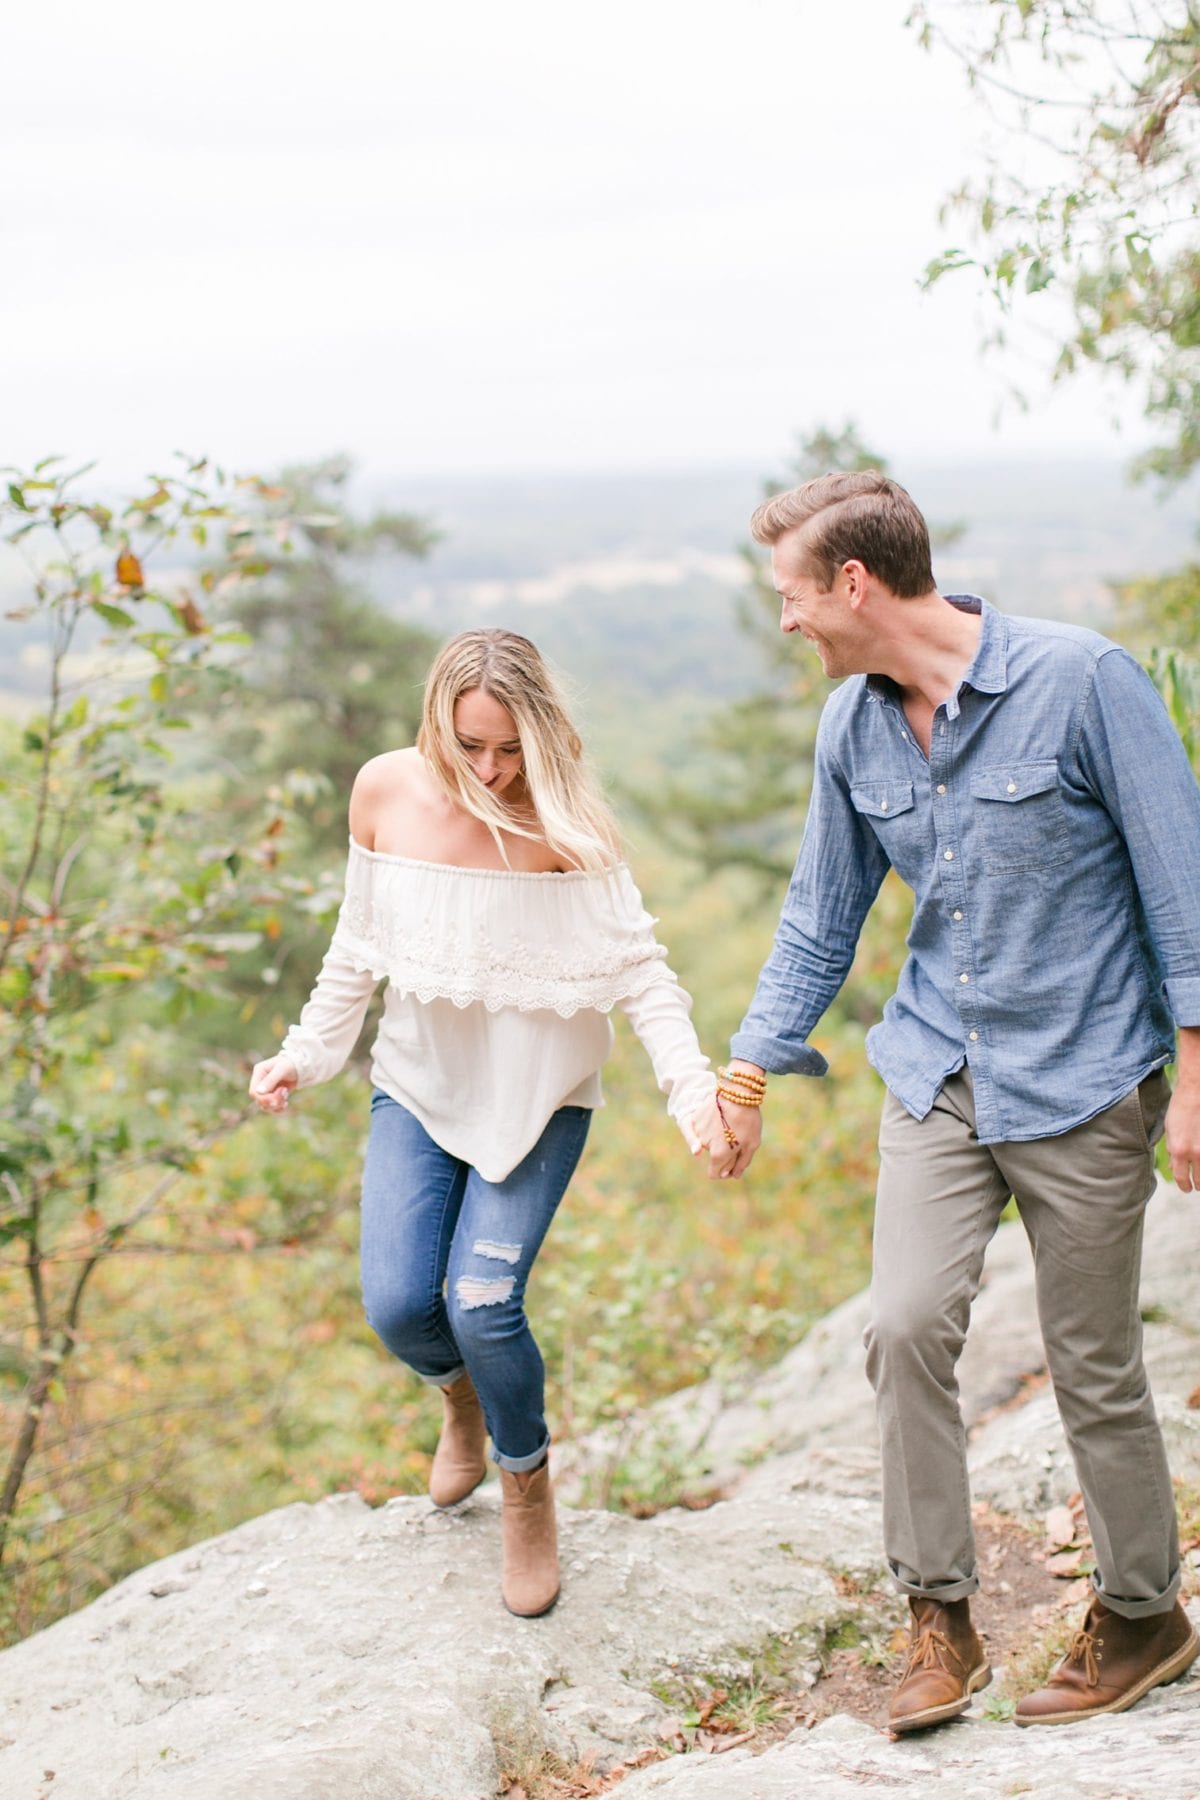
1052	842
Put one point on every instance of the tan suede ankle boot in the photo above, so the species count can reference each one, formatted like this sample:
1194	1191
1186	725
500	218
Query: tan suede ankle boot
460	1460
946	1665
1112	1662
530	1542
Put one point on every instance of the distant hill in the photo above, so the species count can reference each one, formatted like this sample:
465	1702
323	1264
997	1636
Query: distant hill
649	557
630	581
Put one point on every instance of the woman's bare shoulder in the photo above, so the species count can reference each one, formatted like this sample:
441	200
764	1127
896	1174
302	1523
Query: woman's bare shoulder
378	784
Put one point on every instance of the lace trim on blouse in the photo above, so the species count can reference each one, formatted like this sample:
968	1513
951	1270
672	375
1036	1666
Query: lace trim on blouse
508	938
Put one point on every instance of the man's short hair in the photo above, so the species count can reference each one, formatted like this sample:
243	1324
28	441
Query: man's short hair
853	516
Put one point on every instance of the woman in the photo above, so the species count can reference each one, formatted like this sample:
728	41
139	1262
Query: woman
485	883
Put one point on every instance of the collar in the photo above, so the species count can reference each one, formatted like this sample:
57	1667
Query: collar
987	672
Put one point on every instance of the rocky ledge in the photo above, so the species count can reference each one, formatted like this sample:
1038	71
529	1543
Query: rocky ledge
333	1652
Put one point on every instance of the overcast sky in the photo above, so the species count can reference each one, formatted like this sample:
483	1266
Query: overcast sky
483	237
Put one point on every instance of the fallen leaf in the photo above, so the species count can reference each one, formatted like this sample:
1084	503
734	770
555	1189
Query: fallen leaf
1193	1399
711	1704
1064	1564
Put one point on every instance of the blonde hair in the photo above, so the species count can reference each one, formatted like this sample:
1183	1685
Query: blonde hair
572	815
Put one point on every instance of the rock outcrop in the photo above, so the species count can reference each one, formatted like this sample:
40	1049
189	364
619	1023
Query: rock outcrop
332	1652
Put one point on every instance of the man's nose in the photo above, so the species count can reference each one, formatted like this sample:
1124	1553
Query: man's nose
787	621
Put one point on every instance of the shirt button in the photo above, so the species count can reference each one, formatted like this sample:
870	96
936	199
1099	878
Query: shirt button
883	806
964	977
949	855
957	913
974	1036
941	787
1011	788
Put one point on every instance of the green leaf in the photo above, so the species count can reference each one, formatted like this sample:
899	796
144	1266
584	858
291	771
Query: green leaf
113	615
16	496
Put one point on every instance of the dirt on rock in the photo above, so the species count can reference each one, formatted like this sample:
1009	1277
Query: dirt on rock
1020	1607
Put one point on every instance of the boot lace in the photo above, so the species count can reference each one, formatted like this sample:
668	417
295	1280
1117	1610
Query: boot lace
929	1650
1083	1650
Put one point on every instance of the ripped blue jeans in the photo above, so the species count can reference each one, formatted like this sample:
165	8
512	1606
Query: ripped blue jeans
445	1259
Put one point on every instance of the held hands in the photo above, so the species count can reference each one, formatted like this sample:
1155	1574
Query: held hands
725	1119
271	1082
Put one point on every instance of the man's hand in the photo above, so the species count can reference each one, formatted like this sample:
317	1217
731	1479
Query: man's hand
743	1122
1182	1128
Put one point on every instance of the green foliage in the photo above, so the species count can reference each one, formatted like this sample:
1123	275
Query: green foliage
1107	91
331	678
1158	618
124	898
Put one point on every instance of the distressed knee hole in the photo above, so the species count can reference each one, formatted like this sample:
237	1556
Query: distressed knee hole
473	1292
509	1253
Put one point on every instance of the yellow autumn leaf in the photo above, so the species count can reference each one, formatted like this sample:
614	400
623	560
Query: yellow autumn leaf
129	570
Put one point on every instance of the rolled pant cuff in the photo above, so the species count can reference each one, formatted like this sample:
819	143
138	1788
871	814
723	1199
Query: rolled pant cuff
441	1381
1139	1609
948	1590
520	1465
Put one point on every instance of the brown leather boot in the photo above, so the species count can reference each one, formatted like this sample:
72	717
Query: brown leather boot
946	1665
530	1542
1112	1662
460	1461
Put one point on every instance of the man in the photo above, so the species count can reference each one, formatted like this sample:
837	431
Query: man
1023	778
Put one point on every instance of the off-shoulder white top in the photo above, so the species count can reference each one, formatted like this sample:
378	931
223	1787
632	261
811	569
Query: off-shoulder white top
500	983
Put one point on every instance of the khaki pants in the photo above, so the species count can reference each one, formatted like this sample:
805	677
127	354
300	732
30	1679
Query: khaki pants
1082	1198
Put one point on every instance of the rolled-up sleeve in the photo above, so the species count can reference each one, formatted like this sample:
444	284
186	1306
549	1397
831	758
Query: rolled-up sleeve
838	873
1131	756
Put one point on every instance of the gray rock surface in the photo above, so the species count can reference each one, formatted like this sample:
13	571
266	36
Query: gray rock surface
1152	1753
332	1652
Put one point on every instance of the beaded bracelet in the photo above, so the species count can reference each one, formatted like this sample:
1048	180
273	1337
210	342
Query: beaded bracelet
729	1137
744	1078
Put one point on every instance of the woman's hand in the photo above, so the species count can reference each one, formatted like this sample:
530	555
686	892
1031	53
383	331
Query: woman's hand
708	1128
272	1081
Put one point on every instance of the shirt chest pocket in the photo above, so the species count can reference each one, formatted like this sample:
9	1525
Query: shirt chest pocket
1020	816
889	807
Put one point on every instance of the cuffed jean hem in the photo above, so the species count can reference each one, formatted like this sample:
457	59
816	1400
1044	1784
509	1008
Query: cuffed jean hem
442	1381
520	1465
949	1590
1139	1609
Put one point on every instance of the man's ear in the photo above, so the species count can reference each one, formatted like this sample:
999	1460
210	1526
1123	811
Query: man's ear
856	577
